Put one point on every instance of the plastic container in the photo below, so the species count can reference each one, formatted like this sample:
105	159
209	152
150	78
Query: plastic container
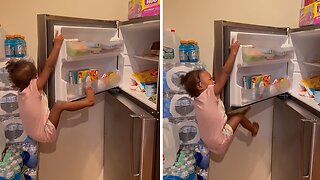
171	45
171	143
9	44
150	88
2	39
193	51
184	51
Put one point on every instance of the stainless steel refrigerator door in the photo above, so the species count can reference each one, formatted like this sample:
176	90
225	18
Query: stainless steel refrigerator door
222	31
294	146
130	140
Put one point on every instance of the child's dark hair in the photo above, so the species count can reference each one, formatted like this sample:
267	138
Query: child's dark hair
190	82
21	72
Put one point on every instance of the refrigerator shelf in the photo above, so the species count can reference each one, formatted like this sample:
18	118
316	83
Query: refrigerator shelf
248	96
263	63
315	64
148	58
141	96
309	101
101	56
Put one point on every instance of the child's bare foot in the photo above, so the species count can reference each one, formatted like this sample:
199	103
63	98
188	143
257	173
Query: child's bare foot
90	96
254	132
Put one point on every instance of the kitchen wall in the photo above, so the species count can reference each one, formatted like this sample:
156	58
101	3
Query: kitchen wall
18	16
194	19
247	158
78	152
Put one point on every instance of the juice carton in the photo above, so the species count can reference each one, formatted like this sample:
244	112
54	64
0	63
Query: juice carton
142	8
310	14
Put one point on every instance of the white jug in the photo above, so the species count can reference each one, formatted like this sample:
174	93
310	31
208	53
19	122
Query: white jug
171	143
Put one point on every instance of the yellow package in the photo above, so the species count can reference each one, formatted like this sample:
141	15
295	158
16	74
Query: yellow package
141	78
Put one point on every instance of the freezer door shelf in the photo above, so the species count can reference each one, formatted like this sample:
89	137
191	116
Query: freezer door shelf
77	91
251	57
243	96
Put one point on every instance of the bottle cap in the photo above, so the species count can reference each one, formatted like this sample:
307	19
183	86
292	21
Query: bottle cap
183	41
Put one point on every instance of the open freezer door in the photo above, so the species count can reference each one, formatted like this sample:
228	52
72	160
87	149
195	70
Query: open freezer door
141	39
261	68
306	73
90	52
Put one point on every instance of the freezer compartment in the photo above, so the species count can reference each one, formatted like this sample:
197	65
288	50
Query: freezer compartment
306	45
307	66
88	56
141	60
142	40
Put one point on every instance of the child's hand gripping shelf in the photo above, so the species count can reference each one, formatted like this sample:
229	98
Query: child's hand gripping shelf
79	80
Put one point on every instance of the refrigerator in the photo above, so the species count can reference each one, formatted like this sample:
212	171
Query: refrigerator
281	58
128	129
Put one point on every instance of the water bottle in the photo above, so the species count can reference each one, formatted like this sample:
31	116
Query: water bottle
183	51
24	45
19	46
193	51
2	39
9	44
2	172
171	45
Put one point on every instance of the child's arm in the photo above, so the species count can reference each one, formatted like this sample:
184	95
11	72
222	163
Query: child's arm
50	63
227	68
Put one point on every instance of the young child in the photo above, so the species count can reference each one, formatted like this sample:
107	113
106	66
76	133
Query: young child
215	128
38	121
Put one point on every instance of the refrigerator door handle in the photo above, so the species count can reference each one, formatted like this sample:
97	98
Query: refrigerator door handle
138	173
312	145
134	175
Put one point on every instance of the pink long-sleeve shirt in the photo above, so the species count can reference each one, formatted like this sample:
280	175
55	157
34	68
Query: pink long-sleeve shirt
211	118
34	113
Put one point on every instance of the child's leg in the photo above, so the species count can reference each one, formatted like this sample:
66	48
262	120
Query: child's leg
60	106
236	118
252	127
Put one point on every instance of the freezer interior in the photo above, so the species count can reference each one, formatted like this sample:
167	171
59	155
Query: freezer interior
140	59
305	68
88	55
261	68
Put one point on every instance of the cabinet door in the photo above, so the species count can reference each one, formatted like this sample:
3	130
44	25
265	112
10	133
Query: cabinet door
130	140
